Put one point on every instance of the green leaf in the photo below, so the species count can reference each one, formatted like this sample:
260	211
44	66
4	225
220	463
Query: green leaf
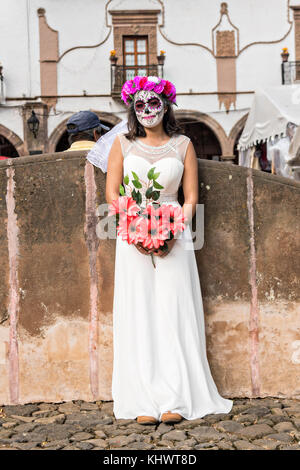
164	247
155	195
135	175
151	173
149	192
137	184
139	201
156	175
126	179
122	191
157	185
135	195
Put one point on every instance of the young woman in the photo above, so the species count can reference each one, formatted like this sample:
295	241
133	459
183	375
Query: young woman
160	369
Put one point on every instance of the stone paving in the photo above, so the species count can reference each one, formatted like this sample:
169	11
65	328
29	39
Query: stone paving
253	424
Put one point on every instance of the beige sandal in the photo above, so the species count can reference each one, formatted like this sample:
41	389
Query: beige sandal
169	417
146	420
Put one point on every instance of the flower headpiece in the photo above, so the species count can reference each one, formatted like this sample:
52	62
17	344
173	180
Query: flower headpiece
156	84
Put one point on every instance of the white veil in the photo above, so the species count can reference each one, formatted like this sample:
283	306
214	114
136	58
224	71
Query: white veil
98	155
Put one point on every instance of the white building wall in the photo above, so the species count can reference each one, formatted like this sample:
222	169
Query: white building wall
190	67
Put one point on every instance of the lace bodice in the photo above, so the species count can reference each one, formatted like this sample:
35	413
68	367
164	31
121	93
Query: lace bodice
168	159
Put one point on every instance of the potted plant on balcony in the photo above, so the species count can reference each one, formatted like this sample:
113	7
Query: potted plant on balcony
285	54
161	58
113	58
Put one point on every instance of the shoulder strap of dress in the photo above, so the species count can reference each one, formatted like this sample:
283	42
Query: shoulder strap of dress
125	144
181	143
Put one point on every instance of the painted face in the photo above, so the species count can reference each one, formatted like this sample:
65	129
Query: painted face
149	108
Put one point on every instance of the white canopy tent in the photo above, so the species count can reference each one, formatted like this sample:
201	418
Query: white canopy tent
271	112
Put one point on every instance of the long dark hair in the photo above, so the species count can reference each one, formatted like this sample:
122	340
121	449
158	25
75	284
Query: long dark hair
170	124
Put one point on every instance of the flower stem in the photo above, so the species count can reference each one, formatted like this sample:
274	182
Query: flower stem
152	258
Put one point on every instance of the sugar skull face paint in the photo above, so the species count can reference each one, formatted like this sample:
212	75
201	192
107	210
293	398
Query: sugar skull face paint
149	108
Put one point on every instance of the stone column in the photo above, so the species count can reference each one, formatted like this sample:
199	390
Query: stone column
296	10
38	144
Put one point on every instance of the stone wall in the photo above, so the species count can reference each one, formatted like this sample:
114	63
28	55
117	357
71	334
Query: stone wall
56	281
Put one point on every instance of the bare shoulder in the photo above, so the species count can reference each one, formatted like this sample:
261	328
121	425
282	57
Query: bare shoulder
117	144
116	152
190	155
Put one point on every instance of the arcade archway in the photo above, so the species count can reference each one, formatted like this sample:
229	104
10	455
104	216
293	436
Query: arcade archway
205	141
208	137
10	144
7	149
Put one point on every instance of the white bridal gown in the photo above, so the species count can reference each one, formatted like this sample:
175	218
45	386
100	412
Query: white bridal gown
160	361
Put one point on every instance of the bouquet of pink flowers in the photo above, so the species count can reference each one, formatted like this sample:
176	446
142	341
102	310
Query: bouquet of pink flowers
151	226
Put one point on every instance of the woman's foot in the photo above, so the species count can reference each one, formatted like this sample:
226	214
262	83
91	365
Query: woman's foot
169	417
146	420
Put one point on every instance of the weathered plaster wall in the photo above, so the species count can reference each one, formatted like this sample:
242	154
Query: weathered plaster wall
250	276
56	281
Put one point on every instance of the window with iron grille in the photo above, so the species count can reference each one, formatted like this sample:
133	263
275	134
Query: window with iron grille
135	56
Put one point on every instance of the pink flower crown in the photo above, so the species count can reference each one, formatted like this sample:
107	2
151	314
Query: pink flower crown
156	84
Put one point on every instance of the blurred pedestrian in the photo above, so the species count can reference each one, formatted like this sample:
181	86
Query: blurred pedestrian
84	129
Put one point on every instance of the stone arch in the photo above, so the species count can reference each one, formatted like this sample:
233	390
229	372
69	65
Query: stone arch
61	128
235	131
209	122
13	139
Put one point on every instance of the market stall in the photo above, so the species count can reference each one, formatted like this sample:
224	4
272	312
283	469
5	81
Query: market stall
269	130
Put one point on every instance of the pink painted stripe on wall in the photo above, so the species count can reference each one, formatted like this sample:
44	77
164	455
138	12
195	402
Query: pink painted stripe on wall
92	244
254	310
13	305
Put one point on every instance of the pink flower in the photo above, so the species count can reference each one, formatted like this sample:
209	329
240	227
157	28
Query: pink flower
124	97
152	232
143	82
170	91
137	81
127	87
128	229
151	211
122	229
173	217
149	86
168	88
160	87
125	206
134	230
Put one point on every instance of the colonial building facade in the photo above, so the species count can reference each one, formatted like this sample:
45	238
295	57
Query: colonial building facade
60	57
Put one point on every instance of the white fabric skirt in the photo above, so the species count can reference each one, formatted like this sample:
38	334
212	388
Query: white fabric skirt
159	345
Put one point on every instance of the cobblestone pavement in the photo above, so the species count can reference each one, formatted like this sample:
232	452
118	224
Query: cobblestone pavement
253	424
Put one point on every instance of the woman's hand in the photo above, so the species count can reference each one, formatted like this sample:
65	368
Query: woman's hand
143	250
156	251
161	253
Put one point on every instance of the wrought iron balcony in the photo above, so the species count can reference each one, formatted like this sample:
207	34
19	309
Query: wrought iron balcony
290	72
121	73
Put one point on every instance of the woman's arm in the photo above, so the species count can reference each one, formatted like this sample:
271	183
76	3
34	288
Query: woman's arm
190	183
190	190
114	175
